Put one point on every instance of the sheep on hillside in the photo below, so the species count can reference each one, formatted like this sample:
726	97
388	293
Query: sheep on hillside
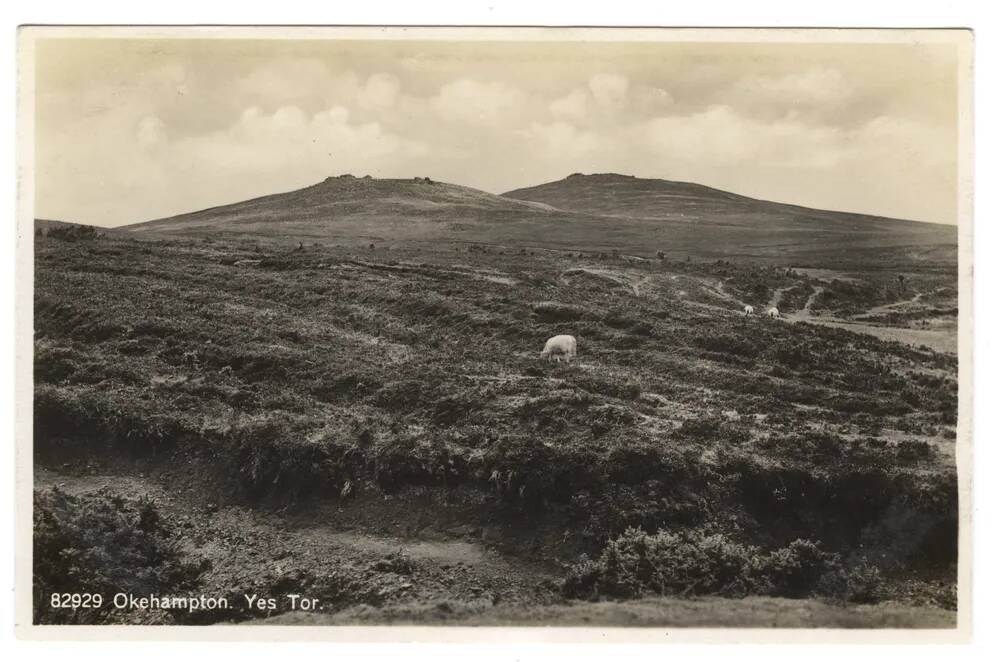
559	346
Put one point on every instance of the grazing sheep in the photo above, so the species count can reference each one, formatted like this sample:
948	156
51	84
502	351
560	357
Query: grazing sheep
773	312
558	346
748	310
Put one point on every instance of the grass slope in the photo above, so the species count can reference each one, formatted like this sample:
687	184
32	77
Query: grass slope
733	223
348	208
328	375
597	213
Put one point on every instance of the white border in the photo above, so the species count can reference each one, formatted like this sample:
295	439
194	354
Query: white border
747	16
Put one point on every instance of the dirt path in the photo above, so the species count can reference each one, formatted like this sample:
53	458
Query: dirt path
939	340
778	296
806	313
259	550
807	308
891	307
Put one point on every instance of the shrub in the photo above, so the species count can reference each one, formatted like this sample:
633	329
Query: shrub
651	505
664	563
101	543
795	570
862	584
700	562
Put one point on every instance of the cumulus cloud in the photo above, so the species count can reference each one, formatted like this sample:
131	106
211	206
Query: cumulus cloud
379	92
474	102
290	140
609	99
130	138
573	106
721	135
563	141
815	86
609	90
648	100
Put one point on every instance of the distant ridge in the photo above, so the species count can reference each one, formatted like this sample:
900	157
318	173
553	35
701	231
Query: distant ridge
383	208
602	189
600	212
612	194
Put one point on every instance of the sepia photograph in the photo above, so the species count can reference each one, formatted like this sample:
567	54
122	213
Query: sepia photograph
478	328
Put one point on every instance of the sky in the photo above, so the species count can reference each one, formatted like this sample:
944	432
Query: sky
128	130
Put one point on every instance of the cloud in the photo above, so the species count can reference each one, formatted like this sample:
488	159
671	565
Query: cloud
290	140
160	132
379	92
563	141
650	101
610	99
573	106
815	86
820	93
722	136
875	168
609	90
473	102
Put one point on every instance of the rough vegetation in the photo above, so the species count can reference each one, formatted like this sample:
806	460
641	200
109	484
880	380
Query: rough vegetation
688	450
101	543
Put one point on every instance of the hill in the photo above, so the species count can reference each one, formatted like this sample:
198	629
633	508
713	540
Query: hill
46	225
612	194
739	224
593	213
347	208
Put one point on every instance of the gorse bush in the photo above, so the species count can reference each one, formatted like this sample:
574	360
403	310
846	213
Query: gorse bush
700	562
649	506
637	563
101	543
862	584
795	570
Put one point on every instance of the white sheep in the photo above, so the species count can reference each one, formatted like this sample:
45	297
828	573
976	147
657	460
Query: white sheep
773	312
558	346
748	310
